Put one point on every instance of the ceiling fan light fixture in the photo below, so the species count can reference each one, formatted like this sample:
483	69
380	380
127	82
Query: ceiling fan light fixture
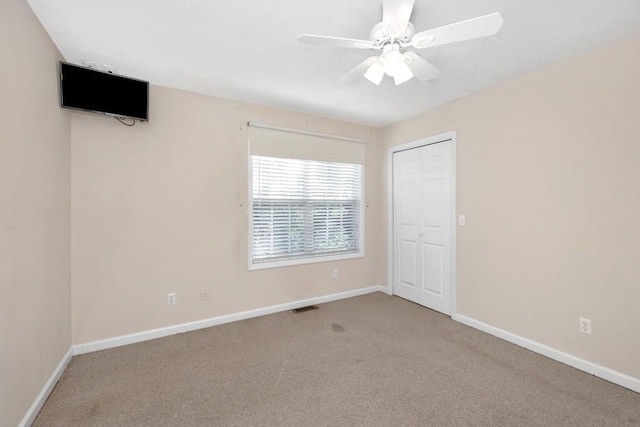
395	66
392	62
395	34
375	73
402	74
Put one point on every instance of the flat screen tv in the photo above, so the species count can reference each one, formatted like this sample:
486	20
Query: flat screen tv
96	91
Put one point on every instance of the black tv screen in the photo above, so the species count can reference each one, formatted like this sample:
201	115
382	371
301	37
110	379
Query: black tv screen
101	92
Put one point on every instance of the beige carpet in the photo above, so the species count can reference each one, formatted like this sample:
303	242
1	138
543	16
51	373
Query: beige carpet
373	360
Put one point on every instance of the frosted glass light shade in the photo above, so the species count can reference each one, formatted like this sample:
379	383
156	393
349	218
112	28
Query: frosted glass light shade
375	73
402	73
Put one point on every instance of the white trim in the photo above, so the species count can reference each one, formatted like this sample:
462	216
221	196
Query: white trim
584	365
447	136
249	208
454	222
33	411
305	132
214	321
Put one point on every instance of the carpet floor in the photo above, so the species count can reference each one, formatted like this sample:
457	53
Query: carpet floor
373	360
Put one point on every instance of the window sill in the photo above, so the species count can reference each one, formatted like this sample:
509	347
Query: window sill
302	261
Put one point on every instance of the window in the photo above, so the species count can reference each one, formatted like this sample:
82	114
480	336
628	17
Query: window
304	211
305	192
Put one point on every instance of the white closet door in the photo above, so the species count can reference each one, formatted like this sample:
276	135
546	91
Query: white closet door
406	166
423	234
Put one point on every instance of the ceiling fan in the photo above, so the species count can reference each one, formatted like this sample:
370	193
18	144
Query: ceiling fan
395	38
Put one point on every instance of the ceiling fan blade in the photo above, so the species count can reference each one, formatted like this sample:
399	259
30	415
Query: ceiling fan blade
395	16
335	42
421	69
474	28
359	70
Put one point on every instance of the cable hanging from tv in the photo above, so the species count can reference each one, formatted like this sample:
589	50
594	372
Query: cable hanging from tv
122	120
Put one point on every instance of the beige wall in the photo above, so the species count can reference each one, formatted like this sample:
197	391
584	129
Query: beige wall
162	207
34	213
548	168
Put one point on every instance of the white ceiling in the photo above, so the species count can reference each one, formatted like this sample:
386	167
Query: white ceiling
247	49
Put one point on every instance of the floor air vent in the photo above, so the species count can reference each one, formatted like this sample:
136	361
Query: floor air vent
303	309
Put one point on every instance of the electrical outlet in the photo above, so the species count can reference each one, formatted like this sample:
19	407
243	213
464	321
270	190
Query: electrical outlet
336	273
585	326
204	294
171	298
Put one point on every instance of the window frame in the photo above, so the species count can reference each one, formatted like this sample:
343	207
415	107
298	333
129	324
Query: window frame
303	259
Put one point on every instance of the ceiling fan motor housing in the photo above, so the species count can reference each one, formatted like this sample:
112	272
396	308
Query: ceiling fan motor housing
379	37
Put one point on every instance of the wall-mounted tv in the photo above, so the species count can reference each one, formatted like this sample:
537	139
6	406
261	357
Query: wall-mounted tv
96	91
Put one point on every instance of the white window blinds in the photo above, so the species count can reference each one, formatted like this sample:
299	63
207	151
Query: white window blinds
304	208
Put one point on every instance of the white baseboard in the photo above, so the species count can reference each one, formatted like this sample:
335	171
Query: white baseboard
562	357
33	411
206	323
